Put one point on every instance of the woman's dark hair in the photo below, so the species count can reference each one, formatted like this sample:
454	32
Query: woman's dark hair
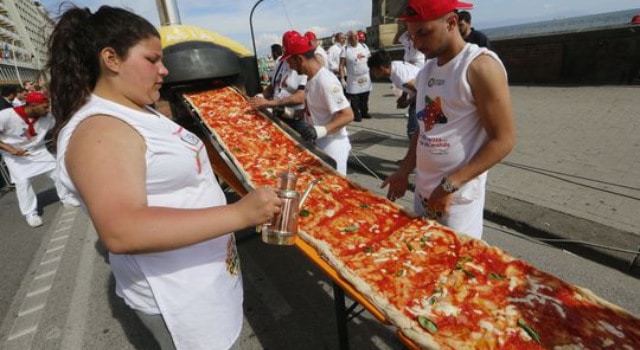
380	58
74	47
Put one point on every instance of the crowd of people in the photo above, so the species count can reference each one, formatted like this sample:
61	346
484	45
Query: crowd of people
165	220
453	87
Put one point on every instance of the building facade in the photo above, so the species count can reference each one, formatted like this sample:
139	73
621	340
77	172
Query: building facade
25	27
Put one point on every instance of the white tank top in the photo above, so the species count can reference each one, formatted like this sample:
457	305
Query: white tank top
450	129
198	289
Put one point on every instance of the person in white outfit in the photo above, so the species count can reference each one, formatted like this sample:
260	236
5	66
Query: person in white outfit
321	53
334	51
411	54
402	75
354	75
21	94
327	109
22	145
465	119
284	97
147	183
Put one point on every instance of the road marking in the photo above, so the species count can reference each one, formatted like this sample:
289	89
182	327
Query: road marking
52	260
59	238
22	333
33	309
55	249
25	324
39	291
46	274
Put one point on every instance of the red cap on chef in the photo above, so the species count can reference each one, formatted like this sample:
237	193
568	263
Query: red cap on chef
36	98
426	10
295	44
310	35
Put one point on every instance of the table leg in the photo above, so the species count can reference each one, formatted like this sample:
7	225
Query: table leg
341	317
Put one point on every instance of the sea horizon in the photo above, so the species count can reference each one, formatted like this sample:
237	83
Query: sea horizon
563	25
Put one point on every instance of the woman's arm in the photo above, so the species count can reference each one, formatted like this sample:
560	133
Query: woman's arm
106	161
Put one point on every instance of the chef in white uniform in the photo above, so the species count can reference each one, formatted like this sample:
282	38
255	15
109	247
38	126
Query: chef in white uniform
22	145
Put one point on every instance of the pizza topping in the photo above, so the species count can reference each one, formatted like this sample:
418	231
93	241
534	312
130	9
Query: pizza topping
530	331
496	276
535	295
417	269
352	228
304	213
611	329
428	324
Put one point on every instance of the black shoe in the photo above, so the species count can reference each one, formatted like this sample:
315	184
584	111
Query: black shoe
357	120
368	116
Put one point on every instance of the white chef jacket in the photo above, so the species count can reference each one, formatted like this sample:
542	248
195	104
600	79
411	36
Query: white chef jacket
13	132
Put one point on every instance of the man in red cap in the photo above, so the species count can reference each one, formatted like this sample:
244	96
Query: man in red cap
285	93
321	54
22	145
465	119
327	110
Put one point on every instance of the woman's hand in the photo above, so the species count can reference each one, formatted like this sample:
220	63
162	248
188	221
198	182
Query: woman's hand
259	206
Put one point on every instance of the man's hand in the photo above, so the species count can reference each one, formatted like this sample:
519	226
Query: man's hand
398	183
402	102
344	83
308	132
439	203
19	152
258	101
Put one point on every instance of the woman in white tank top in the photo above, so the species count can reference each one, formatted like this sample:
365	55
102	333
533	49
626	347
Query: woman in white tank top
146	182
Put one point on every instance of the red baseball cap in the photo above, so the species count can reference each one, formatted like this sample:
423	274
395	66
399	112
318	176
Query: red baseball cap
426	10
310	35
36	98
295	44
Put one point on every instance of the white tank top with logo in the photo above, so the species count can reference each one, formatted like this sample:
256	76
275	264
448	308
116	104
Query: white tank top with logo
198	289
450	129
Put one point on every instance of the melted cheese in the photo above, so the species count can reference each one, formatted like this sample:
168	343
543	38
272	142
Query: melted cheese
534	296
611	329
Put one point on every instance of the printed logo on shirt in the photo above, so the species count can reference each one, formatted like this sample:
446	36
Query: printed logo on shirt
194	144
26	134
432	113
336	93
435	82
233	259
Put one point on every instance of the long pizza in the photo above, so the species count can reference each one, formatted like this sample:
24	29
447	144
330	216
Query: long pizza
442	289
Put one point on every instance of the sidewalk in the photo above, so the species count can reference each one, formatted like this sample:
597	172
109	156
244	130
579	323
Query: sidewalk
573	175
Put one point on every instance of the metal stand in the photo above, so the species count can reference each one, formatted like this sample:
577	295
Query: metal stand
343	315
5	175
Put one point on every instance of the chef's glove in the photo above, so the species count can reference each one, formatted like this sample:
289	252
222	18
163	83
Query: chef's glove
308	132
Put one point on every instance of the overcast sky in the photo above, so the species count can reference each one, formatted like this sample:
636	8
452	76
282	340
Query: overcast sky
273	17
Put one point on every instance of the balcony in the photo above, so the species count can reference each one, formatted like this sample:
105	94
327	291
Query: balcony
5	21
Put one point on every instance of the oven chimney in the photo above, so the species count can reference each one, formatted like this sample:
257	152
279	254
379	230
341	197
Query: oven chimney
168	11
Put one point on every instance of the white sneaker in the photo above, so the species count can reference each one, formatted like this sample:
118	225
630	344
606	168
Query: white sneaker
70	202
34	220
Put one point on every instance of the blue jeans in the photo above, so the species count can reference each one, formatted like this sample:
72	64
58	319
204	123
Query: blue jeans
412	121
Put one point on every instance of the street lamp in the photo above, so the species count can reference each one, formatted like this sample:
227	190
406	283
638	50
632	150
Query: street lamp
15	62
253	39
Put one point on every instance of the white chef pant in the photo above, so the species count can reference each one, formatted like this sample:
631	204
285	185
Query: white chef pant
465	217
27	198
337	148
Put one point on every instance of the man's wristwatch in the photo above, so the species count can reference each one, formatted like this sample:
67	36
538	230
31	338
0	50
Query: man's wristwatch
447	185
